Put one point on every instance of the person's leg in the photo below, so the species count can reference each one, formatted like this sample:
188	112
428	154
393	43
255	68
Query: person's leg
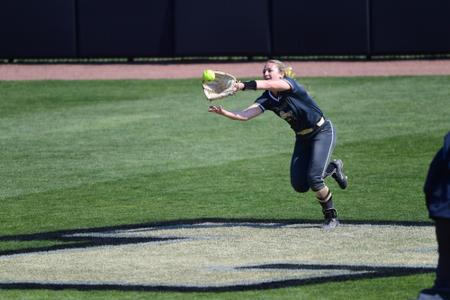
321	150
322	146
299	166
442	282
441	288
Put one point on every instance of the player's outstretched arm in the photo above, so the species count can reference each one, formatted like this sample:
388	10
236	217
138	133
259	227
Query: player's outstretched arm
278	85
242	115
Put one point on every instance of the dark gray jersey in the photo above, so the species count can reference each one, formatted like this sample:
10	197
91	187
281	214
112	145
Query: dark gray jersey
294	106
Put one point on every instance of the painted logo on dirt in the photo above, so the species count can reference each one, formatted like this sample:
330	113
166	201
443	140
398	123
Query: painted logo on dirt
218	255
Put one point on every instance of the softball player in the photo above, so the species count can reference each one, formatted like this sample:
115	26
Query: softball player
315	135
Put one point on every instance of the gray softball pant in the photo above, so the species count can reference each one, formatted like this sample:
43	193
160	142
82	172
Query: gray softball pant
311	157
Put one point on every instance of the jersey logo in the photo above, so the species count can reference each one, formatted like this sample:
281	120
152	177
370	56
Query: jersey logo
218	255
287	116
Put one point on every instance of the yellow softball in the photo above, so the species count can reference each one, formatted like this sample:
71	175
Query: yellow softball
208	75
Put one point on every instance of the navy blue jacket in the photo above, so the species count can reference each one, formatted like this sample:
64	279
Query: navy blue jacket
437	184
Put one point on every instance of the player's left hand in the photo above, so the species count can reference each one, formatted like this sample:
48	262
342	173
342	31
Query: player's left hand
218	109
238	86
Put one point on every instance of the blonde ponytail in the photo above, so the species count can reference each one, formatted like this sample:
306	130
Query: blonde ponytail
286	70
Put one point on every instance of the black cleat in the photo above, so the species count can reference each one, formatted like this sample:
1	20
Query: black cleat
338	173
331	221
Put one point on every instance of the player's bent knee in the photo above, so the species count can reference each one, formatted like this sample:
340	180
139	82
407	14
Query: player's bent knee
316	185
300	188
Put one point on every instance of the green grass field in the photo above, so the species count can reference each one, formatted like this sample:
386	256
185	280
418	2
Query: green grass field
87	154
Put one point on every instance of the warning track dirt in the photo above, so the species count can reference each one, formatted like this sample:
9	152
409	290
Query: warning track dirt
240	70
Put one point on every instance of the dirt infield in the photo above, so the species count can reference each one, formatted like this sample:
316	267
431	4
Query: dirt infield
252	69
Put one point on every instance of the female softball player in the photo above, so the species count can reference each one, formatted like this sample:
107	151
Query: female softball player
315	136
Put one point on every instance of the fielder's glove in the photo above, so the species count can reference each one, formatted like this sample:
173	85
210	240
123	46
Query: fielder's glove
222	86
